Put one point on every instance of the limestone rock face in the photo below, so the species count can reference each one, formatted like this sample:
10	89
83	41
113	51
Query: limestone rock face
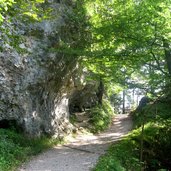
36	83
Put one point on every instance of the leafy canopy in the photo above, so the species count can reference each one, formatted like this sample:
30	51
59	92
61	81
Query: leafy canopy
127	40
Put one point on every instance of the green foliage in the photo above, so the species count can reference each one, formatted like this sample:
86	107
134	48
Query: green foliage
157	140
125	154
15	148
156	143
158	111
10	152
122	156
129	36
4	6
101	117
75	34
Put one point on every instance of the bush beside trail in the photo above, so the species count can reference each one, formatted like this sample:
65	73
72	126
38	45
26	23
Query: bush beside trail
125	155
15	148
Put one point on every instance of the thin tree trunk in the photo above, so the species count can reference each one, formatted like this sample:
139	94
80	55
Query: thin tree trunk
133	97
100	92
123	103
142	143
167	55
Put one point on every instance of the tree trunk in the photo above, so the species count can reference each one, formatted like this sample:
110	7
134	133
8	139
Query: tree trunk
100	92
123	103
167	54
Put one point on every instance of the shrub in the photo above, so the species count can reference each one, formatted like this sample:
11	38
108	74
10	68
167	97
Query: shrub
120	157
101	117
15	148
156	143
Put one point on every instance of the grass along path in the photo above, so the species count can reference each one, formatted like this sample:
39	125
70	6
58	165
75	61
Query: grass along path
80	153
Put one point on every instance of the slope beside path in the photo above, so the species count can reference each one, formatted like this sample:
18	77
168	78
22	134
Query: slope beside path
81	153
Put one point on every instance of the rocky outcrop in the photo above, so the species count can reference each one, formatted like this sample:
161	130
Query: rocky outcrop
91	94
84	98
36	83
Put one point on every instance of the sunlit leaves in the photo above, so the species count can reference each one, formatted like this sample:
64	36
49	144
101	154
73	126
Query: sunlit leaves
4	5
32	15
130	33
40	1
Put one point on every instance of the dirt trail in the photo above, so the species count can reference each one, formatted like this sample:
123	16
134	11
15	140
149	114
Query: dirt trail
82	153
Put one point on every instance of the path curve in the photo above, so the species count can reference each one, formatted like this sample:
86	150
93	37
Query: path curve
81	153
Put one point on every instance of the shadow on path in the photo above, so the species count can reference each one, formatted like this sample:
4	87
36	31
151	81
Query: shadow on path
81	153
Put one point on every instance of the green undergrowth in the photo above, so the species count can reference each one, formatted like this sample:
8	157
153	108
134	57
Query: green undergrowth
125	155
157	136
159	111
121	156
15	148
101	117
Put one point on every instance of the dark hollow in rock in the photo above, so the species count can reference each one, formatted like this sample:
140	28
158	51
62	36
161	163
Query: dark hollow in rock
10	124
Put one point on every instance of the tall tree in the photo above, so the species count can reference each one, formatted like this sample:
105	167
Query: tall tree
131	34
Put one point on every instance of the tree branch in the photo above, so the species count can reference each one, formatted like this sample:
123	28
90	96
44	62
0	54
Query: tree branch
153	55
158	63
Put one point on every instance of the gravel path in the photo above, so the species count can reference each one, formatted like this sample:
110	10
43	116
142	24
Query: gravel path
81	153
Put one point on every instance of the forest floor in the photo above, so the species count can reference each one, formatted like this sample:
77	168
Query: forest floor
82	152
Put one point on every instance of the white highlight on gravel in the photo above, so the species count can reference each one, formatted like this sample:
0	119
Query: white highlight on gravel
81	153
